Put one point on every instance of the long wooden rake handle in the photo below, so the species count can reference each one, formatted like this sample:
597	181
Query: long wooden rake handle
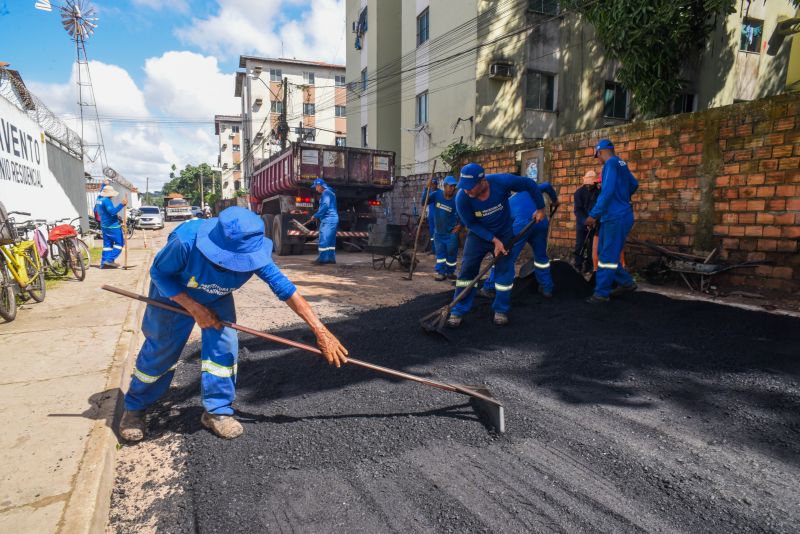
421	218
314	350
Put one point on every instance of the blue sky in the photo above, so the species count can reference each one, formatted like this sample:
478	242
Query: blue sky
156	59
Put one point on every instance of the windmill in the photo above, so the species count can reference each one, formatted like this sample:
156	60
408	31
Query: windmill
79	19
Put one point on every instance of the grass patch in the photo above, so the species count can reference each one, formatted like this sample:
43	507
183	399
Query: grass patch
96	253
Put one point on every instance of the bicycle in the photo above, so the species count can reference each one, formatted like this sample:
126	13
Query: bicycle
21	269
64	252
83	248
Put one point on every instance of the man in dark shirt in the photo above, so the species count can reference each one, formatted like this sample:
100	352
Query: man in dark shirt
585	199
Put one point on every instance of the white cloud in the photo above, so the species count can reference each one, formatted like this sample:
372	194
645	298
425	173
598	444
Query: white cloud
261	27
181	6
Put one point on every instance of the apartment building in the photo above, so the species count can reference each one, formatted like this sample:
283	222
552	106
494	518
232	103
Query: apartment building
489	72
229	136
309	95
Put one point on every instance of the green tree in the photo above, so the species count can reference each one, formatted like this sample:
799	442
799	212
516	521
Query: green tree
652	39
187	183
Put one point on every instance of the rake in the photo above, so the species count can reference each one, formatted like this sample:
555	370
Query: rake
435	322
480	397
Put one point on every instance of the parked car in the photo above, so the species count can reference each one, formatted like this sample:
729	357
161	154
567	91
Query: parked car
197	211
150	217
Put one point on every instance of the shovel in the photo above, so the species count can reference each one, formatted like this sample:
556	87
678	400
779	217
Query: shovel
297	224
480	396
435	322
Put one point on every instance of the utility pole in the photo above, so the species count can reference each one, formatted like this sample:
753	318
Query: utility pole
283	127
201	187
147	191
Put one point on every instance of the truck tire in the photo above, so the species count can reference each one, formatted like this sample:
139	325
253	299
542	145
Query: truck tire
279	244
267	218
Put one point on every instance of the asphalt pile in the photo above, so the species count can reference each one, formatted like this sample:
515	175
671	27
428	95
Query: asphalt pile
646	414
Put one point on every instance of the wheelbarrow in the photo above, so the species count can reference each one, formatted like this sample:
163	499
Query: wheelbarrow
384	243
696	271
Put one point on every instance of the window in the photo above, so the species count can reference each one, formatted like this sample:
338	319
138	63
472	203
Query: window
422	27
237	184
364	79
235	129
276	106
683	104
308	78
752	31
308	109
364	136
340	111
548	7
341	141
422	108
236	148
615	101
540	91
275	75
339	80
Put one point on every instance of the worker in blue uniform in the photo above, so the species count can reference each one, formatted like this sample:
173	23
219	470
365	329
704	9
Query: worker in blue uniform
328	218
203	262
113	239
614	211
446	227
483	208
583	201
431	216
522	208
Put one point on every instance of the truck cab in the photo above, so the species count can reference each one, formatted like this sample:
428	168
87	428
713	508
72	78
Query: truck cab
178	208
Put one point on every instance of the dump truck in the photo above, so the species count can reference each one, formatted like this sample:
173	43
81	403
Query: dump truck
177	207
280	191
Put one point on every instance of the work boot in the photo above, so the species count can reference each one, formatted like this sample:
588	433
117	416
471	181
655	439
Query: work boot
597	299
486	293
110	265
500	319
224	426
132	425
440	277
452	276
454	321
621	290
545	293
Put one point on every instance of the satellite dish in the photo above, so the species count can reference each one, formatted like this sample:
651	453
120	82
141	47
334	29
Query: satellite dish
79	18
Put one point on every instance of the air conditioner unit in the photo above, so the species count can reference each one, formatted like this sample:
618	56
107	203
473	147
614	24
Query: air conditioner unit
256	71
259	101
224	165
259	135
224	146
501	71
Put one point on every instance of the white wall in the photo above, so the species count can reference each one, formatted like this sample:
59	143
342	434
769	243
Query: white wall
26	182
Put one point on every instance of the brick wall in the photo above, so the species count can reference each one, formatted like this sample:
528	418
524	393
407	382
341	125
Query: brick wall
402	204
726	178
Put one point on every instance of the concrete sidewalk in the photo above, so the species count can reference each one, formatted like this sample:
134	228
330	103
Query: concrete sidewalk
62	364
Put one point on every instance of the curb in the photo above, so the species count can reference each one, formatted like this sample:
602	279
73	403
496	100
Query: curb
89	503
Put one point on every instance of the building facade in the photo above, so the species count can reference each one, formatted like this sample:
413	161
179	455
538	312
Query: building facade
308	97
489	72
228	129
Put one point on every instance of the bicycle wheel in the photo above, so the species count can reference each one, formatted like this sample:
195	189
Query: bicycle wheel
57	259
83	250
8	300
36	289
75	259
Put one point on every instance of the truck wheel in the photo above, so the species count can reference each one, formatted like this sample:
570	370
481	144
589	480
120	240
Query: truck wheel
267	218
279	243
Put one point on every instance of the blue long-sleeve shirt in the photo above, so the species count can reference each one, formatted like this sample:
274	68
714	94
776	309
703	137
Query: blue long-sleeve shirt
615	191
181	267
522	206
108	213
327	206
492	217
444	213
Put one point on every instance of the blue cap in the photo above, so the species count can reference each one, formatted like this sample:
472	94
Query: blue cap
449	180
603	144
319	181
435	181
235	240
471	174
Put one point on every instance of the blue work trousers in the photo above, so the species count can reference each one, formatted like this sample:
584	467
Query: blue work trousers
537	238
113	243
327	240
611	242
475	249
446	246
166	334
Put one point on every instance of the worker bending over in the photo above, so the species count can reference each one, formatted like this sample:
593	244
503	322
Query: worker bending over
482	206
113	240
201	265
328	218
614	211
446	227
522	209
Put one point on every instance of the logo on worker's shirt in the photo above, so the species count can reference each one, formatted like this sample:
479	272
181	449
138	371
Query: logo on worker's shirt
444	207
622	163
192	283
489	211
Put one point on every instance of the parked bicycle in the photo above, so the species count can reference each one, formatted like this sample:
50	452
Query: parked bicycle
63	251
83	248
21	269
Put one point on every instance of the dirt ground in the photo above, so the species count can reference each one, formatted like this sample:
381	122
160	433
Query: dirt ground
649	414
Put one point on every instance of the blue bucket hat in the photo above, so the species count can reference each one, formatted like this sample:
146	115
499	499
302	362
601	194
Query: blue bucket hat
235	240
603	144
471	174
319	181
449	180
